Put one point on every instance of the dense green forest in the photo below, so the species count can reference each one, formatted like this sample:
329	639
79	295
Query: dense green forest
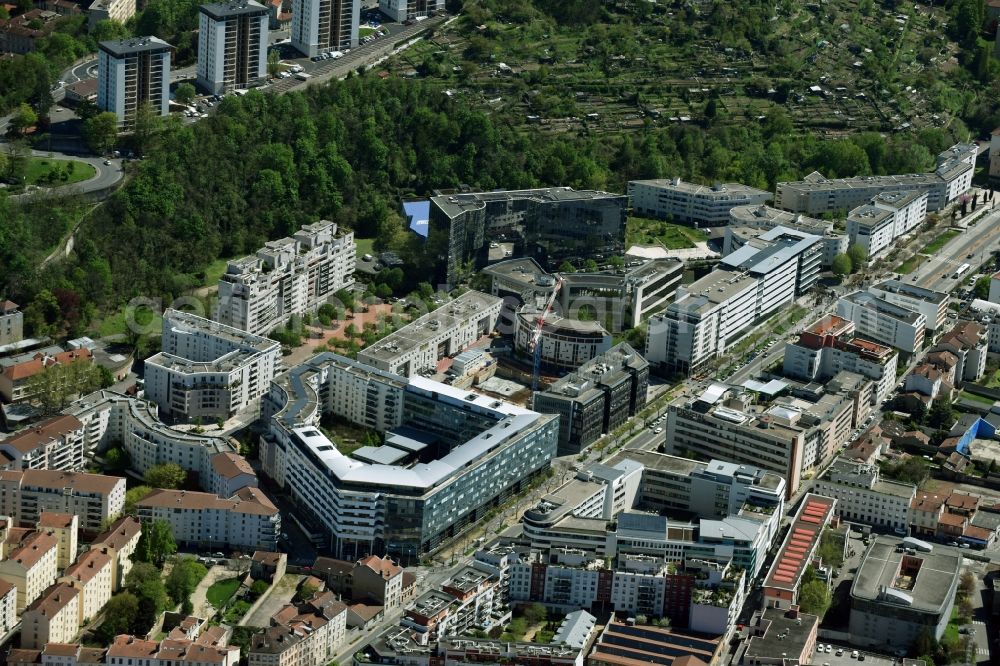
348	151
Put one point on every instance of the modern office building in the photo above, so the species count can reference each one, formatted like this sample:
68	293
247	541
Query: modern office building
749	222
133	72
711	314
445	332
876	225
207	369
787	262
599	397
816	194
689	203
722	423
829	346
402	10
625	299
883	322
449	456
552	225
246	521
319	26
898	594
863	497
565	343
11	323
933	305
232	45
289	276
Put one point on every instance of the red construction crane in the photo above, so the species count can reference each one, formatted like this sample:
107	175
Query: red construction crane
536	335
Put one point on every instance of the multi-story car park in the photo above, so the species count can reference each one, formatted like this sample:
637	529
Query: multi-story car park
689	203
747	223
422	343
207	369
899	593
816	194
232	45
882	321
457	454
552	225
133	72
288	276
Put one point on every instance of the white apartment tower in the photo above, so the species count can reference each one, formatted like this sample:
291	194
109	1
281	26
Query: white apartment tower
286	277
131	72
232	45
325	25
401	10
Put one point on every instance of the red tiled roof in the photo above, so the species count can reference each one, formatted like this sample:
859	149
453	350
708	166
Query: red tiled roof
35	365
42	433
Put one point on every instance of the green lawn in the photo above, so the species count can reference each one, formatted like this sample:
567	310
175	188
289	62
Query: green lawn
939	242
911	264
47	172
364	32
976	398
222	591
115	324
643	231
364	246
214	271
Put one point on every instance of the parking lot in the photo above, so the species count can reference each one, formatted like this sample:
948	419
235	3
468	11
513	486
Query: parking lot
832	659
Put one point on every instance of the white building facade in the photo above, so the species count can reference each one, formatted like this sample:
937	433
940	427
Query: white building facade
319	26
132	72
232	45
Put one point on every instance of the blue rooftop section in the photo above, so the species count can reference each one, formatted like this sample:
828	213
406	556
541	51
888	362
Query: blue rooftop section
418	215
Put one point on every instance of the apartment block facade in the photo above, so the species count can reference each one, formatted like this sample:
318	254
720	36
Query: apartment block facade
232	45
883	322
247	521
816	194
829	346
207	369
402	10
289	276
94	498
133	72
876	225
444	332
689	203
53	618
933	305
319	26
863	497
11	323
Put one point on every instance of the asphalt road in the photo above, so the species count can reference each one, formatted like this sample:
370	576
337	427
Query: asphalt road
107	175
978	241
